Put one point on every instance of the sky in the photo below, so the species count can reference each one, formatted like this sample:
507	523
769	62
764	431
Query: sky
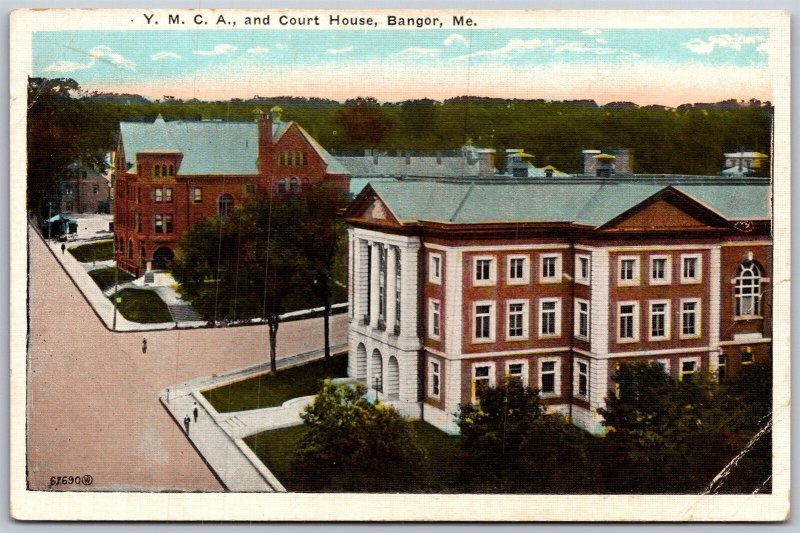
646	66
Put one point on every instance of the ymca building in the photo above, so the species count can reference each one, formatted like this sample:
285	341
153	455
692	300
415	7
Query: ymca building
459	284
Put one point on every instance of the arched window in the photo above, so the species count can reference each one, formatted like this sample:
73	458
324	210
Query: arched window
156	170
748	289
130	249
224	205
294	185
163	170
171	170
282	185
305	182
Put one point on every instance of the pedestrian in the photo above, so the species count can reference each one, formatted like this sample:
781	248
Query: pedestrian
144	345
186	421
63	247
195	412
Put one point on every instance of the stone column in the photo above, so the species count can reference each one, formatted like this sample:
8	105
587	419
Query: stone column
374	285
391	288
409	297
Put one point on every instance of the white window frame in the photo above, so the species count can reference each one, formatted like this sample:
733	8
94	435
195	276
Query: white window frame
434	274
578	302
492	378
579	277
667	270
431	374
748	351
557	377
637	271
665	363
667	322
698	277
698	318
492	321
431	314
492	271
556	278
525	320
557	310
739	295
636	322
526	270
697	367
525	370
577	381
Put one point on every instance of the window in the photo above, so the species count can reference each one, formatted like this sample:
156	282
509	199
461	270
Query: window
518	272
305	159
517	320
224	205
747	290
168	194
660	270
435	379
484	321
171	170
548	378
157	170
397	291
435	268
434	321
581	379
484	271
382	269
163	170
582	271
158	223
249	188
138	222
550	268
628	270
197	195
294	185
549	317
747	357
688	368
628	318
690	318
158	195
722	366
659	320
517	370
691	268
282	185
482	379
283	158
95	189
167	223
582	319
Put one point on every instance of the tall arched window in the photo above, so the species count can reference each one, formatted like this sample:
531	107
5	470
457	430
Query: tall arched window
130	249
282	185
224	205
163	170
747	291
156	170
294	185
305	182
171	170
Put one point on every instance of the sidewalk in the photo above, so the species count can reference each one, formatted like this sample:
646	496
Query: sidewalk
217	437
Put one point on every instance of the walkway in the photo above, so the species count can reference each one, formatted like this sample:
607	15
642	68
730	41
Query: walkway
217	437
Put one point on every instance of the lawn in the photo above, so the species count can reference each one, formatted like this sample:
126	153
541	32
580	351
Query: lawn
95	251
270	390
143	306
275	449
104	277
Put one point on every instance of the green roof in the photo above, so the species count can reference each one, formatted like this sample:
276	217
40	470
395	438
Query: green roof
581	201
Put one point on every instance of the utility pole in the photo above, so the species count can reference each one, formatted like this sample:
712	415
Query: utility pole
116	281
49	224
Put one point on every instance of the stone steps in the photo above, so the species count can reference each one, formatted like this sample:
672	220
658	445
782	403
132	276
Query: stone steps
182	313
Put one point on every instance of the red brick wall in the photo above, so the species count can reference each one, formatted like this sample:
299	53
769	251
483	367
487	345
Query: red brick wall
437	292
732	257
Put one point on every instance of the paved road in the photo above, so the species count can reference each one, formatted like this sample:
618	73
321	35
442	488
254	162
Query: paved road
93	396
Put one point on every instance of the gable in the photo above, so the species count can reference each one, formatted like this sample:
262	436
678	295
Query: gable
368	207
668	210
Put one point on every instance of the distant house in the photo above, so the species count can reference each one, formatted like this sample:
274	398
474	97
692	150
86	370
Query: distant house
84	190
170	175
520	165
749	160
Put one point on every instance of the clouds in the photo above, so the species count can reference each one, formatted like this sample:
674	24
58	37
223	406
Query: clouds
258	50
513	45
416	51
158	56
337	51
582	48
219	50
591	31
734	42
99	53
456	38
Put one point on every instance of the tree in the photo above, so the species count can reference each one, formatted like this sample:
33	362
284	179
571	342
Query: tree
364	123
354	445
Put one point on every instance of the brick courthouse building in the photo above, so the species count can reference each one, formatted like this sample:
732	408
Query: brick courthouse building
459	284
173	174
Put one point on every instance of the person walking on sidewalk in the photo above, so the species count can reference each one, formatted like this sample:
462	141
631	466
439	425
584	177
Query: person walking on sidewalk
195	412
63	247
144	345
186	422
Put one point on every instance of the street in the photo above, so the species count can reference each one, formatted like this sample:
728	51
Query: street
92	399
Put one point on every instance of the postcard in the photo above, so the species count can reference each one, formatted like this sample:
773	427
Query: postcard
381	265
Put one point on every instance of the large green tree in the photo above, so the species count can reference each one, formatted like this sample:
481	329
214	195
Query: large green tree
356	446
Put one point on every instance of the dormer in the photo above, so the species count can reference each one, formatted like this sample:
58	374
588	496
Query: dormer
158	164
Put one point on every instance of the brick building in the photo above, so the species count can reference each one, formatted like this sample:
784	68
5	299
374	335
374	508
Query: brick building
170	175
84	190
460	284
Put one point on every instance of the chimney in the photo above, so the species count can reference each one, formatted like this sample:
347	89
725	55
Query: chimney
264	141
589	161
548	171
605	165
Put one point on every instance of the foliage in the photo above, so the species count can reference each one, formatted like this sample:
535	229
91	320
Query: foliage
143	306
105	277
364	123
94	251
274	388
355	445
